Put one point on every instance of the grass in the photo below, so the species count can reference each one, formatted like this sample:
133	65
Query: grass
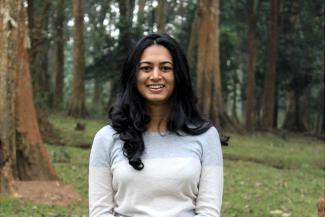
66	126
265	175
291	151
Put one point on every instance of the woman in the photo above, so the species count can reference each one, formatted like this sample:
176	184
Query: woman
159	157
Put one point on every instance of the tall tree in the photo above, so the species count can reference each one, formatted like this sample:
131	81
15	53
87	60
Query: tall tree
59	60
161	15
269	99
141	13
99	35
299	62
193	39
22	152
77	107
208	81
253	8
38	19
125	40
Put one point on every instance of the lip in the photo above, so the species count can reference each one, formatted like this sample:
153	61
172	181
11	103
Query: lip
153	88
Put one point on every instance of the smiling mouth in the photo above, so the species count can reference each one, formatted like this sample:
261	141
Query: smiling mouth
156	86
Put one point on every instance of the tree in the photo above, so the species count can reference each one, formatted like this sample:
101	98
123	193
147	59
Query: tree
97	13
22	152
59	60
252	13
161	15
208	82
77	107
269	99
125	40
38	19
300	37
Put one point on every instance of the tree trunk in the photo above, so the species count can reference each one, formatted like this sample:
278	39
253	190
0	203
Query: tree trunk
292	120
161	15
193	40
59	60
99	39
270	77
77	107
38	17
208	66
253	6
298	84
22	152
125	39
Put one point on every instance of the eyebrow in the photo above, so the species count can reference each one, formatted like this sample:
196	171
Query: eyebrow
161	63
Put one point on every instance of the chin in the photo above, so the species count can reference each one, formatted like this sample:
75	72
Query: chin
156	100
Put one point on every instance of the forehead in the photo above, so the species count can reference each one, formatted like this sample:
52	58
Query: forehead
156	53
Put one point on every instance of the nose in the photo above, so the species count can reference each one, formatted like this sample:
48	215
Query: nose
155	75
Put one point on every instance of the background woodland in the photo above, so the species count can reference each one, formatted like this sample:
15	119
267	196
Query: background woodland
257	67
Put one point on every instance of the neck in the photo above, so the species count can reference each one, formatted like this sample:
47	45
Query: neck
158	117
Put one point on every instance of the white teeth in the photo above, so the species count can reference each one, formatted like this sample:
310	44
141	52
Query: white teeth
156	86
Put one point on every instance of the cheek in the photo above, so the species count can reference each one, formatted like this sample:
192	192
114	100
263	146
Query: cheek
141	78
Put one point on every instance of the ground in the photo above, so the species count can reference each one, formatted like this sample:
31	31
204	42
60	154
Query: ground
46	192
266	175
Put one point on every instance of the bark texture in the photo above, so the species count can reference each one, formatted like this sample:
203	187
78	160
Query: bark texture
193	40
77	107
208	84
22	152
161	15
268	118
252	12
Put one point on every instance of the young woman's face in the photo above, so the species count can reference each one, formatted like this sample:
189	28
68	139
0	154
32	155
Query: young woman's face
155	79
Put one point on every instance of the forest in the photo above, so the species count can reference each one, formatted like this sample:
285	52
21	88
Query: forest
257	68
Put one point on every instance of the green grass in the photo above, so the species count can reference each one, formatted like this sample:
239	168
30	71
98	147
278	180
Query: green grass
292	151
254	184
66	126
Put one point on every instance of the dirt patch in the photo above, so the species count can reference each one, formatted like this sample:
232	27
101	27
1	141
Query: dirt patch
46	192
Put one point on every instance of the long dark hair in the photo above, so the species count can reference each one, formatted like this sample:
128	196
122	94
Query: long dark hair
129	115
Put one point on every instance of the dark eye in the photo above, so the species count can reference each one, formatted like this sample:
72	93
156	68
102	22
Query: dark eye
145	68
166	68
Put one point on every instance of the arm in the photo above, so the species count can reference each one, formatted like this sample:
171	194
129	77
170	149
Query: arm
209	200
100	178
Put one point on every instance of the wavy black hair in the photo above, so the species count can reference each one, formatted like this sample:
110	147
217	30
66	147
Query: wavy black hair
129	115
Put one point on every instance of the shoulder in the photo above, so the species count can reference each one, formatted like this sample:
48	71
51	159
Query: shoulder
105	131
105	134
210	134
102	143
211	147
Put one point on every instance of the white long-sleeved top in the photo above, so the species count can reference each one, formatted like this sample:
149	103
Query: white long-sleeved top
182	176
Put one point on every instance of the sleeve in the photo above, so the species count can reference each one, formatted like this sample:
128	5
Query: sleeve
100	178
209	200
